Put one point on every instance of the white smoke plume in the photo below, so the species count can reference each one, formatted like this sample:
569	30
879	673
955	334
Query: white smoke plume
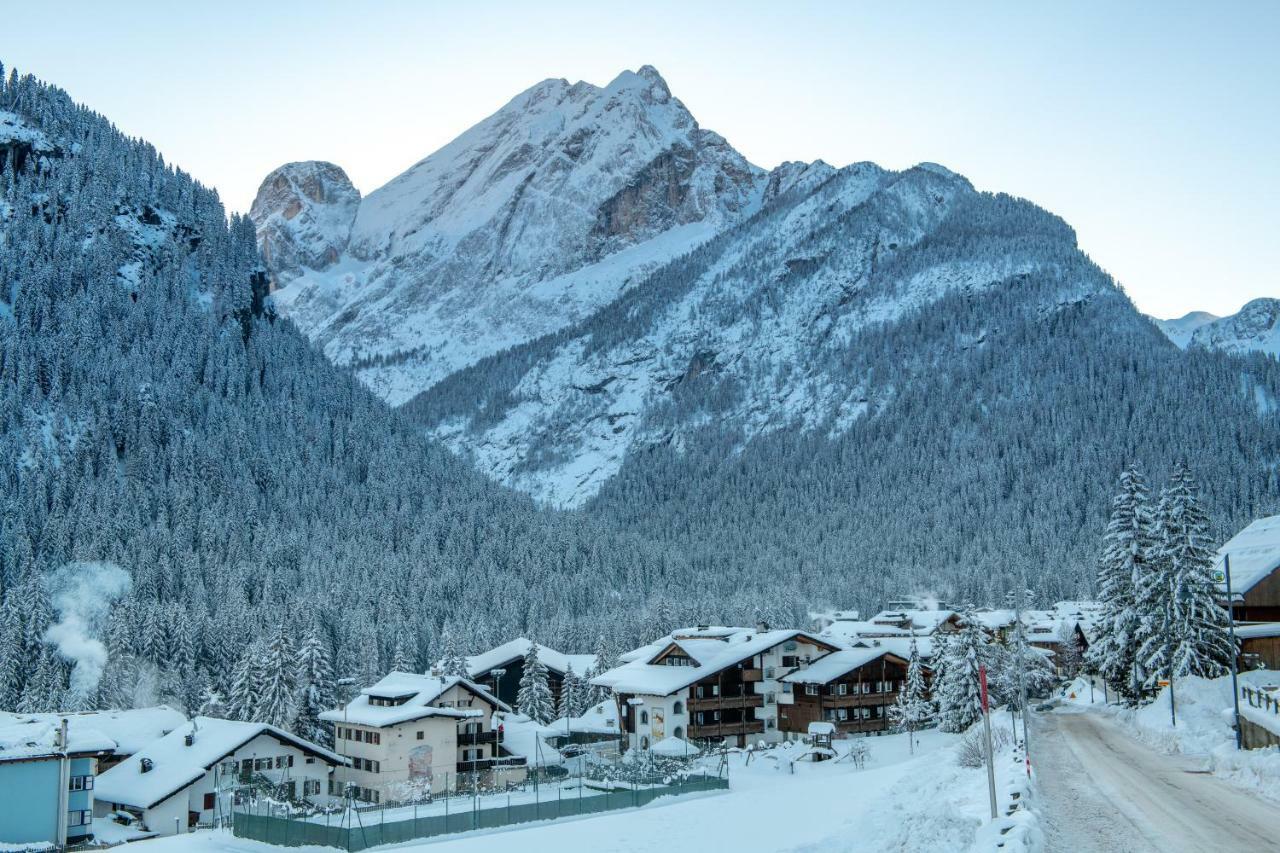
82	594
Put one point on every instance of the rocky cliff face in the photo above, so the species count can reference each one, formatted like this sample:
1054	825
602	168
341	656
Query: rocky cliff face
529	221
303	213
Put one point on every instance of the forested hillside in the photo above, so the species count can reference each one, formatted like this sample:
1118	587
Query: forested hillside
155	416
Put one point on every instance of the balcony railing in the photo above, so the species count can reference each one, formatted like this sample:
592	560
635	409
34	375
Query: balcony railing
477	738
490	763
737	700
745	727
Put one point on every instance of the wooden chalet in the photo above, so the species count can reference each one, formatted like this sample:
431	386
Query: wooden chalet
851	688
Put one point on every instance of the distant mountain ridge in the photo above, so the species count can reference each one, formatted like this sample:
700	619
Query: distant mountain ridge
1254	328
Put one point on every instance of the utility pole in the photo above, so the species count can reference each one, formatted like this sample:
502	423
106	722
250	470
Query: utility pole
1231	622
986	726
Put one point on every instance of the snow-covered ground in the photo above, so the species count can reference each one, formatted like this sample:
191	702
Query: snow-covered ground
896	802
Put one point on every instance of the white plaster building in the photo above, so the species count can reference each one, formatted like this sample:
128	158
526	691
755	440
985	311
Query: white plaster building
189	776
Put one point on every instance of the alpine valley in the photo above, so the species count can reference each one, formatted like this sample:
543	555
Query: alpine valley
584	374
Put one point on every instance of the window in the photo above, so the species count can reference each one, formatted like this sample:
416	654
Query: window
786	687
789	646
829	714
844	688
644	742
678	731
811	690
699	718
421	734
771	723
768	672
377	737
770	698
310	787
80	783
279	761
677	708
842	713
246	766
789	661
210	800
715	690
644	718
472	754
79	817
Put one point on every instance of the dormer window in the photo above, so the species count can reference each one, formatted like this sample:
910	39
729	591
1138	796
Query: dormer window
388	701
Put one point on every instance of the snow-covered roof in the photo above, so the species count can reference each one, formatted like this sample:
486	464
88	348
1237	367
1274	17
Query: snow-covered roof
674	747
26	739
131	730
821	727
527	738
1254	552
479	665
833	666
709	653
420	695
175	765
1258	629
920	620
900	646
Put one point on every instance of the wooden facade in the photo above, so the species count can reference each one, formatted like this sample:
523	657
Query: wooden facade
857	702
507	688
1259	653
1262	602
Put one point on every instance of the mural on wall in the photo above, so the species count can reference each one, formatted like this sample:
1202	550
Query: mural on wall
420	762
659	724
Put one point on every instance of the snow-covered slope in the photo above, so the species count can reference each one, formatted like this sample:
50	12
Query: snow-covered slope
763	315
1181	329
529	221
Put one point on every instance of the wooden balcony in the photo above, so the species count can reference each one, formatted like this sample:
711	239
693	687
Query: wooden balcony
711	730
854	700
477	738
491	763
740	700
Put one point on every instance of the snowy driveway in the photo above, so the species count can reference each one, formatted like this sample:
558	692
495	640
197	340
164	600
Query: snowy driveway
1102	791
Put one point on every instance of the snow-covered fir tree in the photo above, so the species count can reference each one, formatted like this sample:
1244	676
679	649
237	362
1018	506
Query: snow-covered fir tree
277	697
451	661
533	699
957	690
316	689
247	677
1127	552
1182	630
573	695
912	710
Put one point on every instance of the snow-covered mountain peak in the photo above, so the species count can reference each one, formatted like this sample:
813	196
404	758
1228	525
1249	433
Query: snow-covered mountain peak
1180	329
303	212
539	214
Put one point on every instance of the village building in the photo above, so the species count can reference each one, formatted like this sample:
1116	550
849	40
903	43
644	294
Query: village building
500	669
188	778
851	689
47	776
716	684
410	735
1254	554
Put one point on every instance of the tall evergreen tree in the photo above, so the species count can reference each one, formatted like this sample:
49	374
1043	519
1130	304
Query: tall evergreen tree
1182	628
533	699
317	691
279	680
573	695
957	690
452	662
1127	552
912	710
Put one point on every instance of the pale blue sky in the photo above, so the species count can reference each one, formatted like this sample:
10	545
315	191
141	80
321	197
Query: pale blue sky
1154	128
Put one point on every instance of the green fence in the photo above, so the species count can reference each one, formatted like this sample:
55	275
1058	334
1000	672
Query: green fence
298	832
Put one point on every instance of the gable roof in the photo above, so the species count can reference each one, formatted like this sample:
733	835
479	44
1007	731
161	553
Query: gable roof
479	665
175	765
1255	554
838	664
713	650
419	692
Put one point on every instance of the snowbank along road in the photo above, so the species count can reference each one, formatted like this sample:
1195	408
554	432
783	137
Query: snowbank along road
1102	791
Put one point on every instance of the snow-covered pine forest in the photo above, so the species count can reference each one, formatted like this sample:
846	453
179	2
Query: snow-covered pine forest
156	416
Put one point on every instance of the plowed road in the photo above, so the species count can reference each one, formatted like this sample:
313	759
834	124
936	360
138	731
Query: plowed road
1103	791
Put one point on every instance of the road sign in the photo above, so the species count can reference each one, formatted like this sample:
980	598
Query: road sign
1162	683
